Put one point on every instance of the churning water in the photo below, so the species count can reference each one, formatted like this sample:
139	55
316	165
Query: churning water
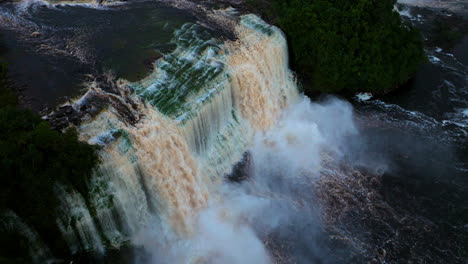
198	102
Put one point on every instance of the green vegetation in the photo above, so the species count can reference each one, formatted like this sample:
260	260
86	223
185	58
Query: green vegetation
7	97
183	76
33	157
347	46
13	248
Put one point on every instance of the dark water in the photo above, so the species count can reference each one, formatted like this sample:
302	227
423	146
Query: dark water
421	131
433	106
52	49
460	51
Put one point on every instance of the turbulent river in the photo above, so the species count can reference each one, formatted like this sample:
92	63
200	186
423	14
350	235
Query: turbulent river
210	153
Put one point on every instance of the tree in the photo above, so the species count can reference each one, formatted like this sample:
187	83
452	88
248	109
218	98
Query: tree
347	46
33	158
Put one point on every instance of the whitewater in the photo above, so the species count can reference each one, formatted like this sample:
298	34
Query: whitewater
171	144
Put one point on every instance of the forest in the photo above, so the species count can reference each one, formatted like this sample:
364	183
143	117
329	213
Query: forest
33	159
341	46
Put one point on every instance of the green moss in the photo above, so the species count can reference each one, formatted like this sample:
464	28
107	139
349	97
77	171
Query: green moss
7	96
185	71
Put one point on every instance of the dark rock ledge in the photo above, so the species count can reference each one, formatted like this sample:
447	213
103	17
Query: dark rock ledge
104	92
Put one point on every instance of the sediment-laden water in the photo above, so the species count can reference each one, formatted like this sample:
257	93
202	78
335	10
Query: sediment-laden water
175	104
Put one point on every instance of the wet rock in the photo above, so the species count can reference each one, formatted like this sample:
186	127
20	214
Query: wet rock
63	111
149	62
59	123
242	170
107	94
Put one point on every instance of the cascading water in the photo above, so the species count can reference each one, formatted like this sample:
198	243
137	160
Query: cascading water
168	141
200	110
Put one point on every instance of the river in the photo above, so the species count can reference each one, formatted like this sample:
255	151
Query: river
175	103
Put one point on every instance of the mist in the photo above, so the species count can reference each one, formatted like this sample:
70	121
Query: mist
275	207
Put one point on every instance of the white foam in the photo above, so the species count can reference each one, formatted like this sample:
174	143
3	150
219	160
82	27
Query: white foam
403	12
434	59
465	112
363	96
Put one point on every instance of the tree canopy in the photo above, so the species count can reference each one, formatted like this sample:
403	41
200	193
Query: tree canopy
33	158
347	46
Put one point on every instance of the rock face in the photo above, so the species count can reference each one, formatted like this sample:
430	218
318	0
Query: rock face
149	62
242	169
104	92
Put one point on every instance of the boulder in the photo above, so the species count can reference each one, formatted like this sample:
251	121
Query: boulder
242	170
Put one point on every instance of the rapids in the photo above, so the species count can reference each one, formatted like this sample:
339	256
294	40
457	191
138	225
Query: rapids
180	102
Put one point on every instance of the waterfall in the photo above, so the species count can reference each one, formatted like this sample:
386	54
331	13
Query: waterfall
38	251
262	82
200	110
170	171
82	234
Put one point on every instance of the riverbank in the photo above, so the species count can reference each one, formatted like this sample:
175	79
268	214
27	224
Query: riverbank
379	182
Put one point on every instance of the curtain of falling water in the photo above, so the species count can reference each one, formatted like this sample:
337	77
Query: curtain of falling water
167	165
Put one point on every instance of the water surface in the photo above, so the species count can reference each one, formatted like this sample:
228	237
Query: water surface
52	48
